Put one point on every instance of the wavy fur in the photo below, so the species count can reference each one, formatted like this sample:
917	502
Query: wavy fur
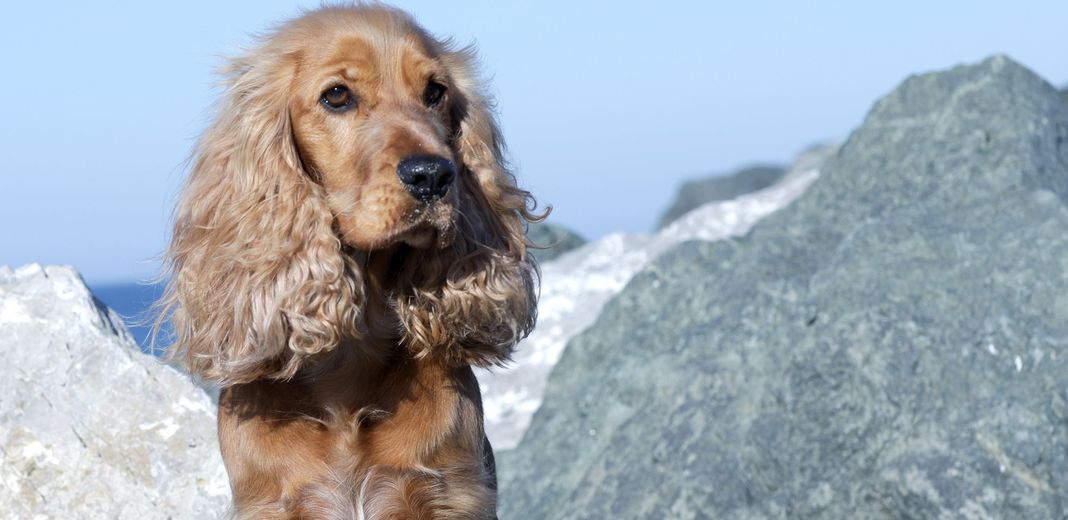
260	281
340	314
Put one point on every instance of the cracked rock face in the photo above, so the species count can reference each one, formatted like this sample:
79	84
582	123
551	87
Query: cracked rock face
89	426
894	344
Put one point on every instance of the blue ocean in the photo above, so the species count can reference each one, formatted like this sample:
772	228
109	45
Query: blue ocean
133	301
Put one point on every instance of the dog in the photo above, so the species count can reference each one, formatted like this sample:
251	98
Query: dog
348	244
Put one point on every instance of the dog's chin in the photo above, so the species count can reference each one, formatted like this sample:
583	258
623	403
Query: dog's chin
431	227
420	237
434	227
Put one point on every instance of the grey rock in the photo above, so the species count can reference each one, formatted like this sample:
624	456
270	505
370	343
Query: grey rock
1064	95
90	427
892	345
575	287
553	240
696	193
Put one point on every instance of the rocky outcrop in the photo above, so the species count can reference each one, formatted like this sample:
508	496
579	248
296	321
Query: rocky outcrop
892	345
89	426
575	287
552	240
696	193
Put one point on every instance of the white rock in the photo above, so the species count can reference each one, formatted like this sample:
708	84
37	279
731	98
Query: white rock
575	287
89	426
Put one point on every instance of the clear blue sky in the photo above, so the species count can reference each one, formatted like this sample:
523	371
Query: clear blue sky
606	106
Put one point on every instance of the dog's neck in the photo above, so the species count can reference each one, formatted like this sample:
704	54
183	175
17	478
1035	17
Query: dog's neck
380	286
346	377
379	347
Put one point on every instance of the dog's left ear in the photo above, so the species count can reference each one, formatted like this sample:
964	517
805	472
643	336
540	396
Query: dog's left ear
480	148
479	301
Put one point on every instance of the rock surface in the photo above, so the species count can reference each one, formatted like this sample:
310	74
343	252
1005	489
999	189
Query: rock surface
575	287
892	345
556	240
696	193
89	426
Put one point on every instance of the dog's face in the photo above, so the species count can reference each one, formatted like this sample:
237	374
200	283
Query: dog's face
346	131
371	120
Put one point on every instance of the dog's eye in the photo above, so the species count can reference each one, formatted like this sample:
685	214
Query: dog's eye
433	93
338	99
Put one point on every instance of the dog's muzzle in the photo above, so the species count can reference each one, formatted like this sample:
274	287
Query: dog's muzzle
426	177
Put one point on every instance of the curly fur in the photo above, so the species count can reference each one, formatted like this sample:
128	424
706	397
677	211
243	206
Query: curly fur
259	280
287	276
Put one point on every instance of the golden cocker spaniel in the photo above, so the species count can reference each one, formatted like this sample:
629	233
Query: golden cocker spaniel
349	242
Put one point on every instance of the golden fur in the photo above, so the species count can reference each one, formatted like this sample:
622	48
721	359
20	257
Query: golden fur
338	312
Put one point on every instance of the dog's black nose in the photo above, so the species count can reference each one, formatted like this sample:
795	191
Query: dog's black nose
426	177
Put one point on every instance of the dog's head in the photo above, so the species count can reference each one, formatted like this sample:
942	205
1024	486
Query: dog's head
353	161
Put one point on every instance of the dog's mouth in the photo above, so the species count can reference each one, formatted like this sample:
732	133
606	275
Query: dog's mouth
420	226
419	237
428	226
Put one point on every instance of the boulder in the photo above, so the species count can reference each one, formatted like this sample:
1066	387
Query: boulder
575	287
90	427
894	344
696	193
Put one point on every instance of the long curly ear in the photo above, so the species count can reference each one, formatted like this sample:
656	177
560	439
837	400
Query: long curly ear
258	281
474	302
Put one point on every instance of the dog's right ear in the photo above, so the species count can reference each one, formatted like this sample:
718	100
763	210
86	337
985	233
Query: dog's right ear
258	281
